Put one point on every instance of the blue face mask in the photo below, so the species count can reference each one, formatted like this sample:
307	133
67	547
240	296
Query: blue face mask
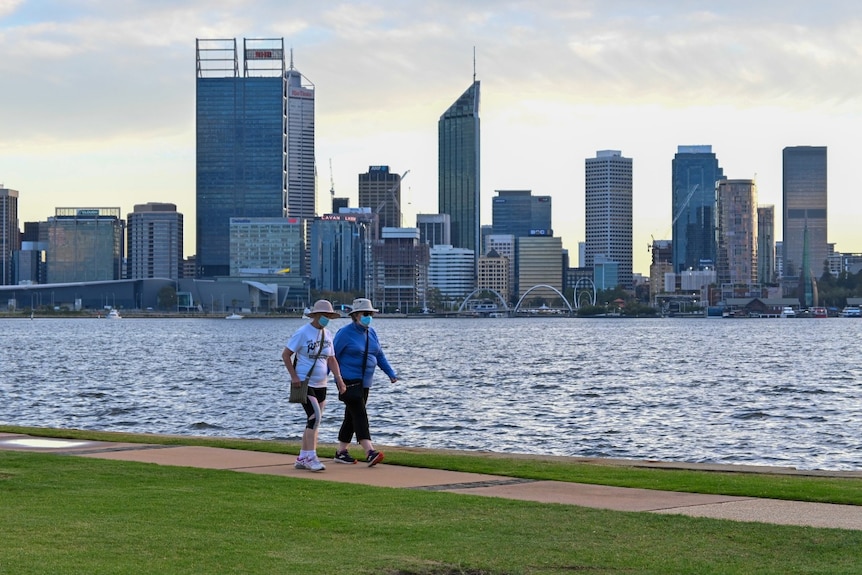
323	321
365	320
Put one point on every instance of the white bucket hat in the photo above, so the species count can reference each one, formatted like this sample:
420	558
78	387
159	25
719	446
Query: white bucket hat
361	304
323	307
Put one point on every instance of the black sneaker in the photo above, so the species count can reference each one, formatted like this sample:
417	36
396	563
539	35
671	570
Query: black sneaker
374	457
344	457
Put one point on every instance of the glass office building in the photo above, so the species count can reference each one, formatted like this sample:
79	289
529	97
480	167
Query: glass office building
804	209
695	172
458	169
608	212
521	214
84	244
240	127
9	233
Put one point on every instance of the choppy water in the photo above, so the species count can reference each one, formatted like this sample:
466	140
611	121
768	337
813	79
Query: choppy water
767	391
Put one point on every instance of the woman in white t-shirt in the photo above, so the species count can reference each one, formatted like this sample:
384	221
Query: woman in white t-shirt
309	354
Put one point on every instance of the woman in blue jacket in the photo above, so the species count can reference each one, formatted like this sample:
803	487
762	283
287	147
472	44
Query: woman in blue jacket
358	352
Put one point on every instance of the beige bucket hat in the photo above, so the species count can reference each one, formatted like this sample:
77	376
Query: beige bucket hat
361	304
323	307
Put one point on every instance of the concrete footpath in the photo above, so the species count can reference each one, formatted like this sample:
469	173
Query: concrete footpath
383	475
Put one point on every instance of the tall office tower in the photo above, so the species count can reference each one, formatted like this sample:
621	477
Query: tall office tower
380	190
338	203
662	256
520	213
736	219
608	212
458	168
84	244
10	235
242	145
301	196
766	244
155	240
695	173
434	229
804	208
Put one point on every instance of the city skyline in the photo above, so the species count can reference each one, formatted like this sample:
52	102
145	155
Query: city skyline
102	110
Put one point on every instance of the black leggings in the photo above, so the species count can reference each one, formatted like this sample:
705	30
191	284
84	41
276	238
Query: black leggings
355	420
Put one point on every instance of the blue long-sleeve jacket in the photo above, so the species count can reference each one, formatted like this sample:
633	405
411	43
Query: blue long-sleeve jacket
350	348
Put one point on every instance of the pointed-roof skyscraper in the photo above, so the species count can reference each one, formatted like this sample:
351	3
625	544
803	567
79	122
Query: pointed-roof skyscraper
458	168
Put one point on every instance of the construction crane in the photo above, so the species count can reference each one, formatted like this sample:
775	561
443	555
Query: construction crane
394	197
331	181
678	214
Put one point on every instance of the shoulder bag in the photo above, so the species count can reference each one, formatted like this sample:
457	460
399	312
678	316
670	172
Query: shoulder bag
353	393
299	393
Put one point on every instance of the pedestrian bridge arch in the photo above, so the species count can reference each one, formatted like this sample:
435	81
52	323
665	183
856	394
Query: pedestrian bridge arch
497	298
542	286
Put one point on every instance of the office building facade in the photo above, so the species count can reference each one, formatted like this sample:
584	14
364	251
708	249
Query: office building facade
243	150
266	247
9	234
451	270
458	168
540	263
608	212
434	229
400	270
695	173
766	244
84	245
340	251
155	241
521	214
380	190
804	210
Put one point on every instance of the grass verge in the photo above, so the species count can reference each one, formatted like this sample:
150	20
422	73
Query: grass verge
840	490
63	514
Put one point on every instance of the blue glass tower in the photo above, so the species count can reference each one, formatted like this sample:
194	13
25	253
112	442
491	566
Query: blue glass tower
240	142
458	168
695	173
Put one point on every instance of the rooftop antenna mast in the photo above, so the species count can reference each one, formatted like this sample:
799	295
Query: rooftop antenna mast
474	63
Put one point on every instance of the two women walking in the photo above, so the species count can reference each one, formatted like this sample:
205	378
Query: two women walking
351	356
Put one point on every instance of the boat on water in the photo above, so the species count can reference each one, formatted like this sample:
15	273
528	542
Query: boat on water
788	312
851	312
234	316
114	314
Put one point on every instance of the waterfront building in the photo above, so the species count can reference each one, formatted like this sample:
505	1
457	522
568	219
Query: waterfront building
736	230
521	214
606	273
155	241
695	172
540	262
340	251
242	143
803	212
766	244
380	190
400	270
452	271
493	274
84	245
434	229
458	168
608	213
267	247
10	234
504	245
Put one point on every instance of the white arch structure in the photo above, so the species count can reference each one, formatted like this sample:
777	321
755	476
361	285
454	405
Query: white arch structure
479	290
555	290
590	289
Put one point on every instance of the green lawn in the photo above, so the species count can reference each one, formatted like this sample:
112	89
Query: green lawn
63	514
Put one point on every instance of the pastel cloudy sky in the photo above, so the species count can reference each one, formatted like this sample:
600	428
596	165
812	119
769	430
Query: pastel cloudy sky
97	97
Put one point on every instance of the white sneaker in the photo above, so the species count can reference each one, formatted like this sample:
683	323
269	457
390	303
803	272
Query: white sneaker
301	464
314	464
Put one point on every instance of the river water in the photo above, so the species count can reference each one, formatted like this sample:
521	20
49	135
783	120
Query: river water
757	391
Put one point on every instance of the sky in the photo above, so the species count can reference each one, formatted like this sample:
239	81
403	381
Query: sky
97	97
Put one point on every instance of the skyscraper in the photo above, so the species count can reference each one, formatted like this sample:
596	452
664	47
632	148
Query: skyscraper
380	190
737	232
9	233
695	173
155	240
608	212
804	208
458	168
255	141
84	244
766	244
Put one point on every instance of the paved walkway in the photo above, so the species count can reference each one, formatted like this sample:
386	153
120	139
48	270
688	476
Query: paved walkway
596	496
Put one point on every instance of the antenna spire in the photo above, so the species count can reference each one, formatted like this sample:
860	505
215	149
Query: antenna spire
291	57
474	64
